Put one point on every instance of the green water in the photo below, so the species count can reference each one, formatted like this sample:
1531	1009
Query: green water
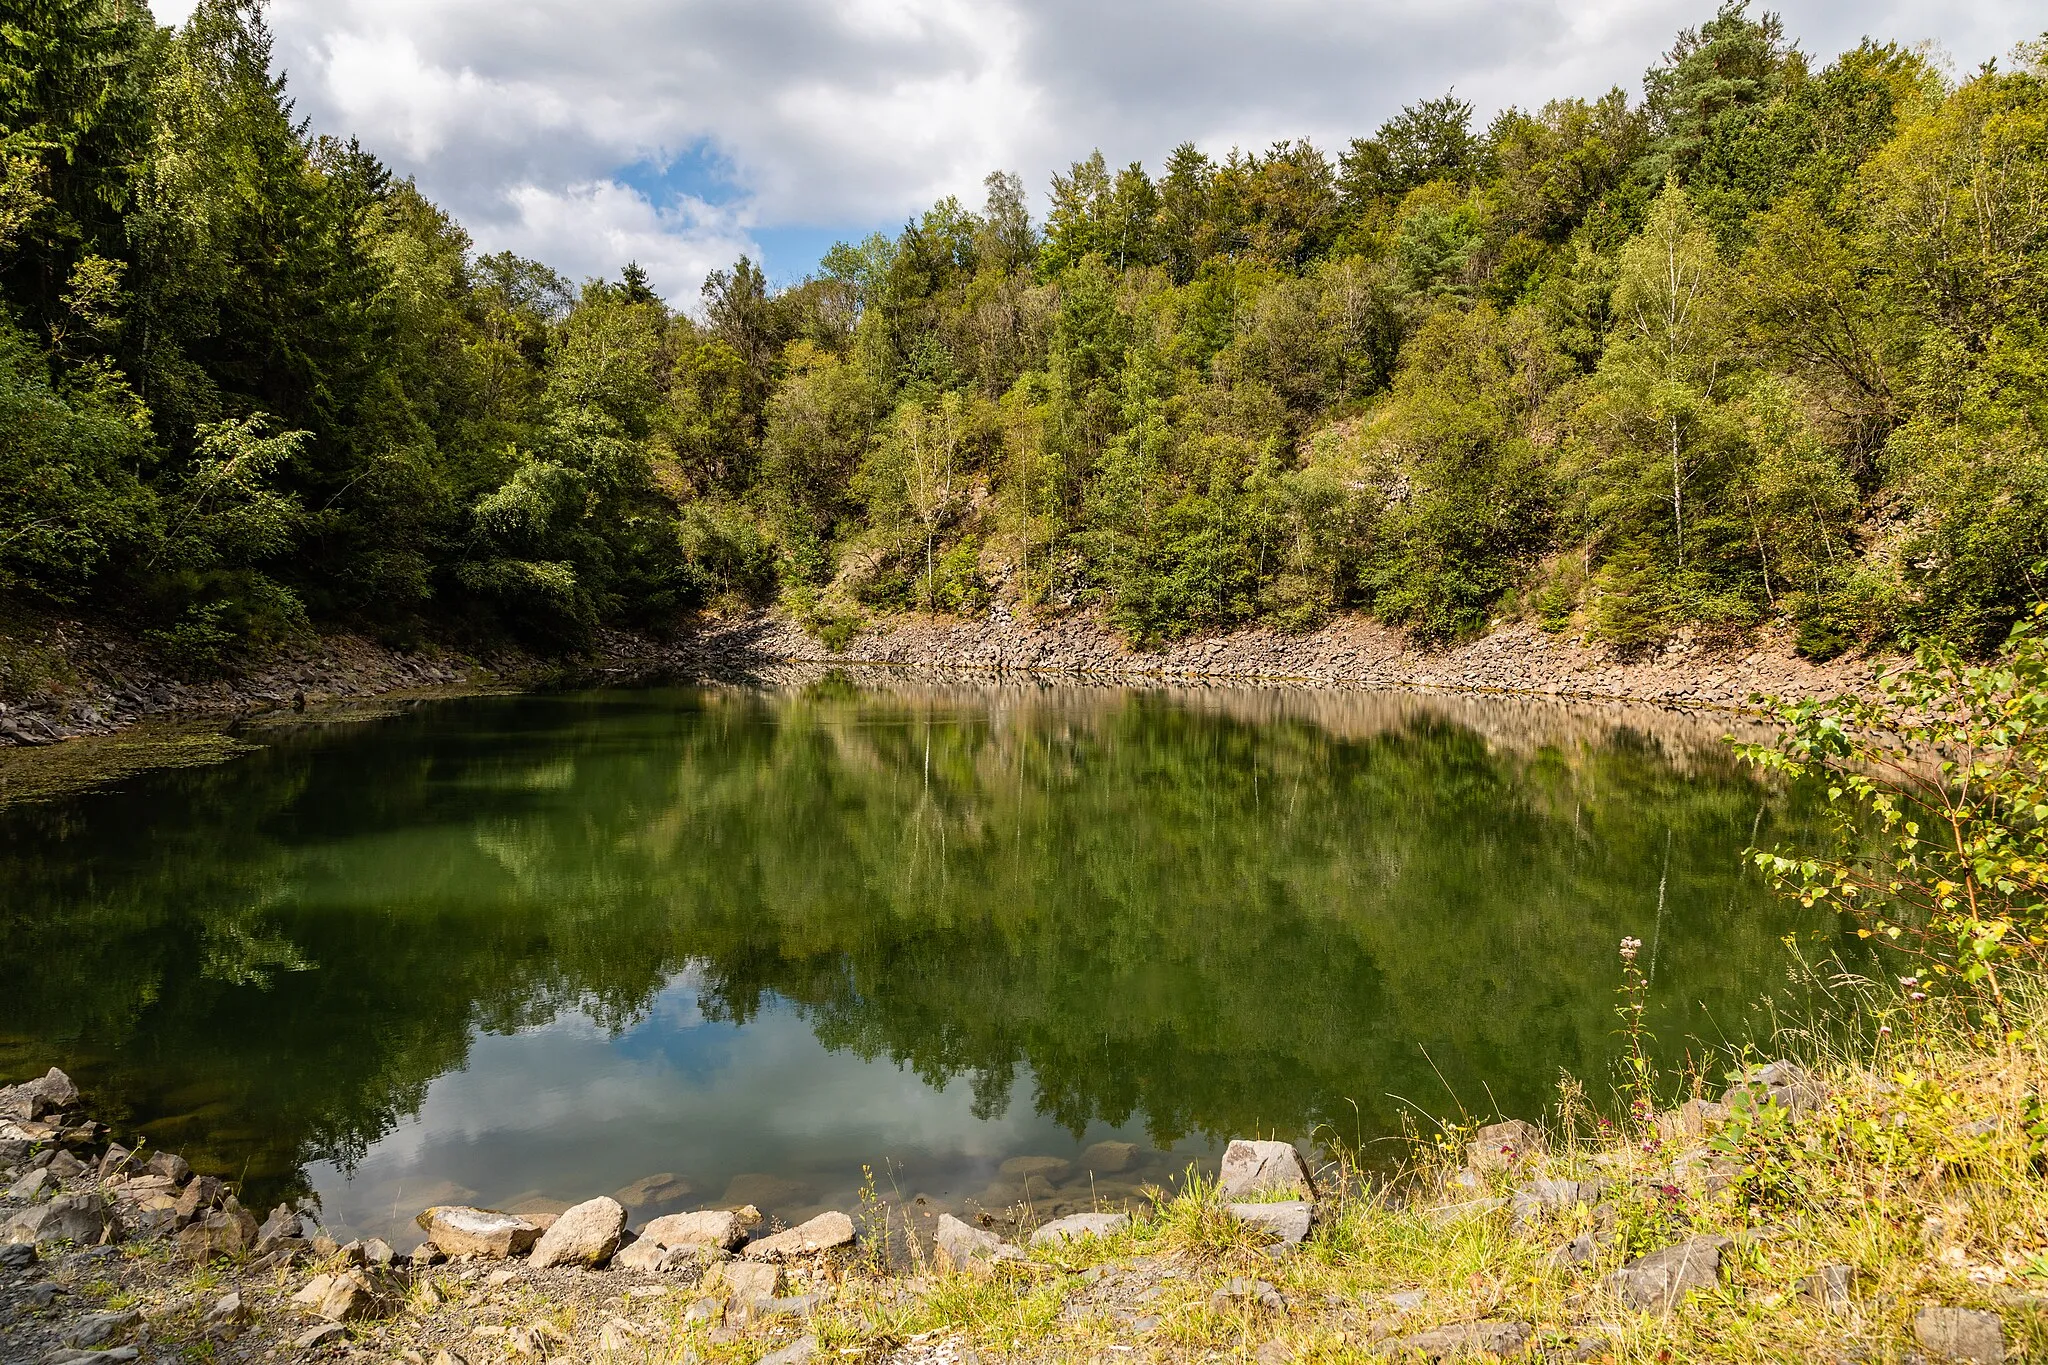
524	950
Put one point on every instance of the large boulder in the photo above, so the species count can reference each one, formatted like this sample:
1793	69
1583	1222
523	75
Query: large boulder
721	1228
1656	1282
81	1218
586	1234
463	1231
962	1246
1251	1168
1076	1226
826	1232
50	1093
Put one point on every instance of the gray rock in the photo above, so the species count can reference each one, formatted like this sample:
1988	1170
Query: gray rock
65	1166
1503	1146
1830	1286
228	1313
33	1186
1580	1250
1691	1121
1251	1168
81	1218
463	1231
1656	1282
49	1093
171	1166
97	1329
962	1247
1243	1291
1289	1222
1466	1339
117	1355
17	1256
1961	1334
426	1254
1075	1226
826	1232
350	1295
747	1280
226	1232
1783	1083
1539	1197
324	1334
720	1228
586	1234
796	1353
377	1252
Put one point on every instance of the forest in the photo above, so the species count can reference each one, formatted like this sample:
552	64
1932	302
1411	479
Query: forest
1758	348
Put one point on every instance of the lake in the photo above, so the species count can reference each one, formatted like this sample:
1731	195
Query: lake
976	943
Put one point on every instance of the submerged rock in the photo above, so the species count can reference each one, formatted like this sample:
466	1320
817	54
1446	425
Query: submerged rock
586	1234
463	1231
1251	1168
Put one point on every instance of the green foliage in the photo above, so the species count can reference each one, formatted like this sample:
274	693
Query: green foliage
1762	350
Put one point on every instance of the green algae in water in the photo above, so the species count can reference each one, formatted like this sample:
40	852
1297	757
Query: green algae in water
524	950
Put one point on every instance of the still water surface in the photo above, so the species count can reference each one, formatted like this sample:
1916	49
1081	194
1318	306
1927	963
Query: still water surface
715	944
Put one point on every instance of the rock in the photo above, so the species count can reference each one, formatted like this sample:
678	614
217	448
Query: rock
52	1092
97	1329
645	1257
652	1190
1110	1158
17	1256
1443	1215
426	1254
1532	1201
1691	1121
199	1195
1656	1282
800	1306
586	1234
33	1186
80	1218
1076	1226
1466	1339
705	1311
65	1166
171	1166
228	1313
746	1280
118	1160
313	1291
463	1231
322	1335
448	1358
377	1252
1783	1083
116	1355
1961	1334
826	1232
720	1228
766	1191
1503	1146
959	1246
283	1225
796	1353
1251	1168
1287	1221
1830	1286
1243	1291
1580	1250
1045	1168
228	1231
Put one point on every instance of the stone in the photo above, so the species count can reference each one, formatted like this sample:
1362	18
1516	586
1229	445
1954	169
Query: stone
1504	1146
586	1234
17	1256
281	1226
746	1280
50	1093
1830	1286
201	1193
1289	1221
1251	1168
826	1232
1783	1083
118	1160
228	1313
797	1352
1464	1340
65	1166
653	1190
97	1329
960	1246
1110	1158
1656	1282
1691	1121
377	1252
1961	1334
313	1291
445	1357
1444	1215
115	1355
704	1311
463	1231
1580	1250
171	1166
1076	1226
426	1254
80	1218
643	1256
33	1186
1241	1291
228	1231
324	1334
720	1228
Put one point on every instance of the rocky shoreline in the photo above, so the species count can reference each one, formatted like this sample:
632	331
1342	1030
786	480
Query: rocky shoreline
110	1256
96	682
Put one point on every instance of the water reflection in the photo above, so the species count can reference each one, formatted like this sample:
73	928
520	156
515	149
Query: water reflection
534	948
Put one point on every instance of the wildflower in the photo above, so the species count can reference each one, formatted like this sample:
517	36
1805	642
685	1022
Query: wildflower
1629	948
1917	996
1883	1030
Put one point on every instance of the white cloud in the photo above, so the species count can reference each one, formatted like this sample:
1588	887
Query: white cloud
757	115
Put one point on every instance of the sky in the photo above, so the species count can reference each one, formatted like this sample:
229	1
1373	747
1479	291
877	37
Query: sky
683	133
